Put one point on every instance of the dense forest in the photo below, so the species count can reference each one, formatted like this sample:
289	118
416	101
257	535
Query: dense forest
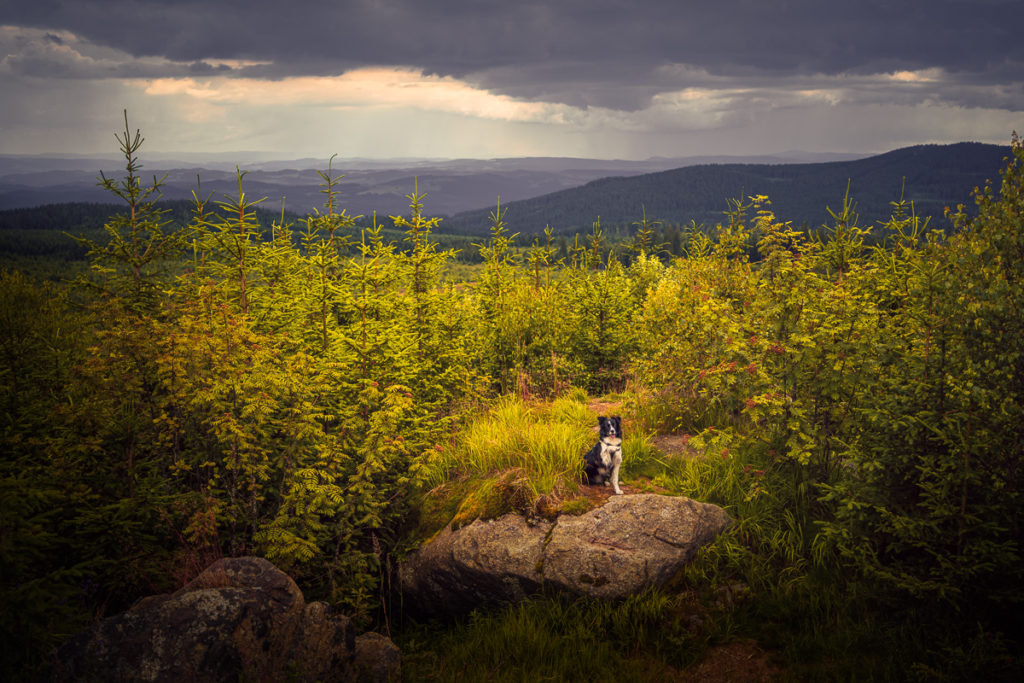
50	232
324	396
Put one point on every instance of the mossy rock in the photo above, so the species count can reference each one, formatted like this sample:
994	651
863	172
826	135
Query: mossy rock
461	501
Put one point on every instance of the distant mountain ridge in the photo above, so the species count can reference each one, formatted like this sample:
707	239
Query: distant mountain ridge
931	176
381	185
567	193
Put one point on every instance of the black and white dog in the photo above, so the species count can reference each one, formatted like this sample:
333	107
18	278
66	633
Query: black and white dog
603	460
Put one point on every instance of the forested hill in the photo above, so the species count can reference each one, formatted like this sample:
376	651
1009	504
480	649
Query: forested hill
931	176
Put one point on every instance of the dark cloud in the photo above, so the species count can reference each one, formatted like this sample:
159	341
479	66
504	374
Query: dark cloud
582	52
36	54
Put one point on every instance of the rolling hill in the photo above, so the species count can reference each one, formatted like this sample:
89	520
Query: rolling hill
931	176
381	185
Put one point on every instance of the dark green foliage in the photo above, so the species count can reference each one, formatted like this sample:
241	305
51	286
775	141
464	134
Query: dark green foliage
934	507
40	596
602	338
561	639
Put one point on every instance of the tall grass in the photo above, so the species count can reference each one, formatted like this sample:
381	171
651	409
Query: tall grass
545	443
521	456
571	408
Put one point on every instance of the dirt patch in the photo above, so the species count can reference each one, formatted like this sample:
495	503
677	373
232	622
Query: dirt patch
740	662
596	496
599	495
603	408
674	444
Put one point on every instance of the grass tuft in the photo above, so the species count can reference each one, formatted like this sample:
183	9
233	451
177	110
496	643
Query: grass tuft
517	456
523	457
545	447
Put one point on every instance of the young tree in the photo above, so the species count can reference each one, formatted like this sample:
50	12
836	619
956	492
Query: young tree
141	242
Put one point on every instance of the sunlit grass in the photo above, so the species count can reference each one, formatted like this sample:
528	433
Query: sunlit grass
571	408
545	443
522	456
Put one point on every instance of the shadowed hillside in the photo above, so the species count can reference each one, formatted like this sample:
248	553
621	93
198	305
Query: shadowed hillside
935	176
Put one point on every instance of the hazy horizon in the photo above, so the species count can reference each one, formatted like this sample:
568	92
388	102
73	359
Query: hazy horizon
269	156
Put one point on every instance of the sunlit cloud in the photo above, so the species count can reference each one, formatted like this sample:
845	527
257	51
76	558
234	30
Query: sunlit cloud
921	76
712	104
235	64
362	88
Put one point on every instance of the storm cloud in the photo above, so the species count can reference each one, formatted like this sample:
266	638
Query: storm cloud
591	63
582	52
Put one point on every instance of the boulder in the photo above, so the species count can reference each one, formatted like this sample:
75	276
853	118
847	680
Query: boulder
241	618
377	659
495	561
630	543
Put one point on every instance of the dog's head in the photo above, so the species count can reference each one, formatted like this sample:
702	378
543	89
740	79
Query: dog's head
611	427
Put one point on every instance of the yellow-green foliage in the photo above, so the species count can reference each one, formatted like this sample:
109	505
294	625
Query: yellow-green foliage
869	379
545	443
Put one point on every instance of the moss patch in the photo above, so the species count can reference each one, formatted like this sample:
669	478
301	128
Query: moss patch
464	500
578	506
493	497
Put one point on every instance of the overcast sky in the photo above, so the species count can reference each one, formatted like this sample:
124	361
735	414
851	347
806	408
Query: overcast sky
493	78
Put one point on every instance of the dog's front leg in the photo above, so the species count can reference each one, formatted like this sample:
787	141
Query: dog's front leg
616	462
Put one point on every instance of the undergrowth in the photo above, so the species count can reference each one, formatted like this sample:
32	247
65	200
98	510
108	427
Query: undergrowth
557	638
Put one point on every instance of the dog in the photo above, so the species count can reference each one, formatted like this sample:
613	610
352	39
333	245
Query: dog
601	463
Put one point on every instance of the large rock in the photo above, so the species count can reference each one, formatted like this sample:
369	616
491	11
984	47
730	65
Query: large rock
630	543
494	561
241	618
377	659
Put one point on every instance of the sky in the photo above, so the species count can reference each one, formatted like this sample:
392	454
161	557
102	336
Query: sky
625	79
